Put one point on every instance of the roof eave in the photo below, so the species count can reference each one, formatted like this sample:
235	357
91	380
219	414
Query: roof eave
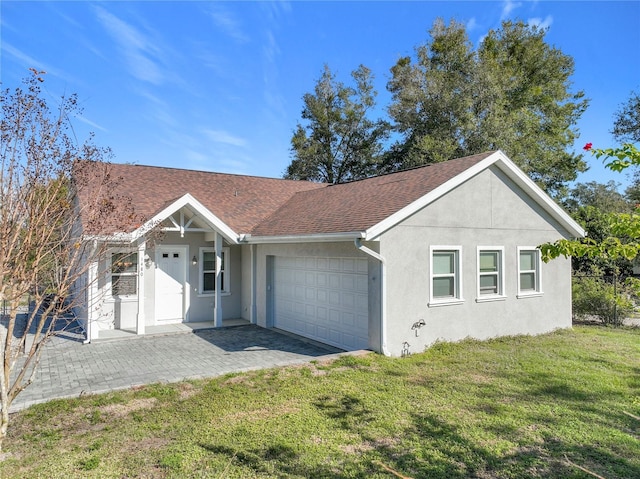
303	238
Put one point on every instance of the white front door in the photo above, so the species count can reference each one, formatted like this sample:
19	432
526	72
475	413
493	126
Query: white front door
171	271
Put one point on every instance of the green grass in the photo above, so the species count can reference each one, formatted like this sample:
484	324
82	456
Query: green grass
508	408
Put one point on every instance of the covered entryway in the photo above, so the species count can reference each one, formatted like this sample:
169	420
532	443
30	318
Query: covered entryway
170	279
325	299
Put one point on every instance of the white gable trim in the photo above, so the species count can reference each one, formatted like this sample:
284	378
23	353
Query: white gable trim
505	165
187	200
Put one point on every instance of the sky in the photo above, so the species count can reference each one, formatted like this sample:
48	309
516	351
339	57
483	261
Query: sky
218	86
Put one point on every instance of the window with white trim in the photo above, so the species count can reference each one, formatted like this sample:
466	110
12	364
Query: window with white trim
208	271
529	280
446	280
124	274
490	272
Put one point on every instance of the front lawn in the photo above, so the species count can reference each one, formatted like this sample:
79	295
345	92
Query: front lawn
539	407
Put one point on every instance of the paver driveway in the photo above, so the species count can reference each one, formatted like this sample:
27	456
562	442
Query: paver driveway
70	368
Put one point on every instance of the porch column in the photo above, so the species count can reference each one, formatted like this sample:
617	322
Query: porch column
92	300
217	310
254	275
140	320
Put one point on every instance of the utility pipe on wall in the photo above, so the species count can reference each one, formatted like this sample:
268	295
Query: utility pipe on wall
383	300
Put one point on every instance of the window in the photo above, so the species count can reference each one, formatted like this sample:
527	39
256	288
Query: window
529	281
208	271
124	274
446	283
490	272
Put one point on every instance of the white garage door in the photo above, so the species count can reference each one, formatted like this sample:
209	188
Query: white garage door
324	299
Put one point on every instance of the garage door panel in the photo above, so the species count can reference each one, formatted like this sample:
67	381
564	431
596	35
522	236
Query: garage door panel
348	300
325	299
334	298
335	264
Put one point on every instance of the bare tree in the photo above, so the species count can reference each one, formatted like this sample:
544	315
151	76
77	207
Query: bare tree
43	254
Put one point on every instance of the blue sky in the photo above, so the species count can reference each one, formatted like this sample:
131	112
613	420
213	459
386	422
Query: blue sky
218	86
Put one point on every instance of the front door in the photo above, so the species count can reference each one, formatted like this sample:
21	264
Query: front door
171	268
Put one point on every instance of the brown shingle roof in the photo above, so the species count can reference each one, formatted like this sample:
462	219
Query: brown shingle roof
239	201
276	207
359	205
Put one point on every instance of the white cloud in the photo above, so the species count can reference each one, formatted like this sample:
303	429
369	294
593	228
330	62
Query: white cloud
540	23
27	60
220	136
226	21
137	49
89	122
507	7
472	24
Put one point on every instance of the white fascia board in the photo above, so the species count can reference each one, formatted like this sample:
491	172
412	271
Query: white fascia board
187	200
310	238
506	166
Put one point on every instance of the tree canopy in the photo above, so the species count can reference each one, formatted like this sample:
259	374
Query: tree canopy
512	93
626	125
339	142
602	196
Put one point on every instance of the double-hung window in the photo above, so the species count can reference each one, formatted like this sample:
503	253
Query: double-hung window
124	274
446	280
208	271
490	273
529	280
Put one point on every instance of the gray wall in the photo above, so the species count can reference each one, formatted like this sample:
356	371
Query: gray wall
488	210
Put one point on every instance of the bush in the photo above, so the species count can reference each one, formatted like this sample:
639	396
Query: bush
594	297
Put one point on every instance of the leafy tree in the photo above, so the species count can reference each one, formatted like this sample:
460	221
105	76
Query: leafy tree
623	240
511	93
339	141
41	256
591	204
626	126
602	196
433	99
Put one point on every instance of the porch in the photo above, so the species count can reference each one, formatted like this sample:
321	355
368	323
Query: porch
166	329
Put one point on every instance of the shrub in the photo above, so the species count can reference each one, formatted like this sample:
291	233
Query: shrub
594	297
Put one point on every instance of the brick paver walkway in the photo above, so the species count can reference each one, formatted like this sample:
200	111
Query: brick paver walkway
70	368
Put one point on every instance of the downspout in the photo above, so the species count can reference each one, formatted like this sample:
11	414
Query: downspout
383	300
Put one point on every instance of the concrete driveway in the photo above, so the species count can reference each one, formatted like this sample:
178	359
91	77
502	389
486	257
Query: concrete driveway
70	368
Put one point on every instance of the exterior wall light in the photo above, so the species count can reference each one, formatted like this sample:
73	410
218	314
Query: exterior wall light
194	260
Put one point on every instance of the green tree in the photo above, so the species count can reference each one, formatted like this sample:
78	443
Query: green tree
602	196
433	99
626	126
623	241
512	93
339	142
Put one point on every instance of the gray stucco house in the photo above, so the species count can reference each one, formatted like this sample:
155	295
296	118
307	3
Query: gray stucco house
391	263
